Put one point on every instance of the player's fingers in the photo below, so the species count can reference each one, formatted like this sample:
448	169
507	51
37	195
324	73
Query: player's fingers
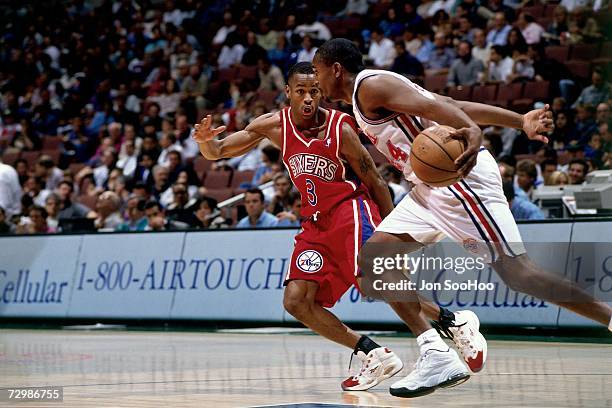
540	138
546	121
468	165
218	130
464	157
459	134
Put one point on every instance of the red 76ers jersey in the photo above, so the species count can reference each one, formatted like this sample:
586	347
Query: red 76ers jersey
316	166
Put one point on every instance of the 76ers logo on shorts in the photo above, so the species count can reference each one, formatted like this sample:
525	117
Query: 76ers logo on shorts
470	245
309	261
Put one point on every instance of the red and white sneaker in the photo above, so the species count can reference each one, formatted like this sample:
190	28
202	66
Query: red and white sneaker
468	339
378	365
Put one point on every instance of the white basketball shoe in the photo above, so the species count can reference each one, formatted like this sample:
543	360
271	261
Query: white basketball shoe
465	333
434	369
378	365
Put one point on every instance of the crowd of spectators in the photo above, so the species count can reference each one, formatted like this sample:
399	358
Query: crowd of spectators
98	98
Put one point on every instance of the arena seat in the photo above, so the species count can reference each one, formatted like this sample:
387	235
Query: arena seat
482	93
537	90
549	10
240	177
580	69
559	53
217	179
605	53
30	157
201	165
54	154
461	93
535	11
51	142
247	73
584	51
219	194
435	83
267	97
228	74
508	93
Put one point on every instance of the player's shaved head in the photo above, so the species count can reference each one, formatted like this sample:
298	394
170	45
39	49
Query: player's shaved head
300	68
344	52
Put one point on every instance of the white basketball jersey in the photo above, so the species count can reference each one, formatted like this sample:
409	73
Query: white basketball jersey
392	135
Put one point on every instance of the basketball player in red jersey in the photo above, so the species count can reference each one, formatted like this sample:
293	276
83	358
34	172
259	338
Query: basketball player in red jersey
341	194
392	111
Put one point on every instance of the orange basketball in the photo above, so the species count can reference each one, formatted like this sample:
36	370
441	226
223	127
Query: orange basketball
433	156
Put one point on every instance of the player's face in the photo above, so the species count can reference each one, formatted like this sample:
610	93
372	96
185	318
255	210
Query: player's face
325	77
304	95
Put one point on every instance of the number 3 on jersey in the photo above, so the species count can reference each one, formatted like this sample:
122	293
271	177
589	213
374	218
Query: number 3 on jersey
311	194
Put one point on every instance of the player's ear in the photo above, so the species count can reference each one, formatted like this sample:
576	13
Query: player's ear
287	90
337	69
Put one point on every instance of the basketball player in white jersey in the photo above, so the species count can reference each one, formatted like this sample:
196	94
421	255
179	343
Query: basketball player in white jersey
392	111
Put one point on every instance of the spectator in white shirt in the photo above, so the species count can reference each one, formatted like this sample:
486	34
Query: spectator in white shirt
354	7
500	65
571	5
382	49
308	51
228	27
270	76
109	161
231	53
172	14
168	143
481	50
129	161
313	28
10	190
45	169
531	30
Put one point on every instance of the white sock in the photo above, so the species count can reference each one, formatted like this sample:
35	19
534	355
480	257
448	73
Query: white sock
430	339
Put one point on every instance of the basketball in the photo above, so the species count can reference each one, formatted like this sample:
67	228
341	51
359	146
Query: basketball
433	156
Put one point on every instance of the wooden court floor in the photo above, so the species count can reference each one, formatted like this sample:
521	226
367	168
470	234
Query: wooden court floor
178	369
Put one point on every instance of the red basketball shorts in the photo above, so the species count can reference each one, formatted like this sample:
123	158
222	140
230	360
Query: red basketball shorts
326	250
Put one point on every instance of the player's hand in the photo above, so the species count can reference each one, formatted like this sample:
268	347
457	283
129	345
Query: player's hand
537	122
472	137
203	132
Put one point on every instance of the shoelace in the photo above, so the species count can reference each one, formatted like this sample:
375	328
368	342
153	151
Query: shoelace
364	366
443	328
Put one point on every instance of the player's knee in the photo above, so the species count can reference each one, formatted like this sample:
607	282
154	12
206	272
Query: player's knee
515	273
296	304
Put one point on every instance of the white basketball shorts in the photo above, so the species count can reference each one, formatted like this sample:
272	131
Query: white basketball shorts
473	212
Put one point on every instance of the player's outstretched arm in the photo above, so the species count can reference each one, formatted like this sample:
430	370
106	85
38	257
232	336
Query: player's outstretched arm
236	144
392	94
534	123
362	164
